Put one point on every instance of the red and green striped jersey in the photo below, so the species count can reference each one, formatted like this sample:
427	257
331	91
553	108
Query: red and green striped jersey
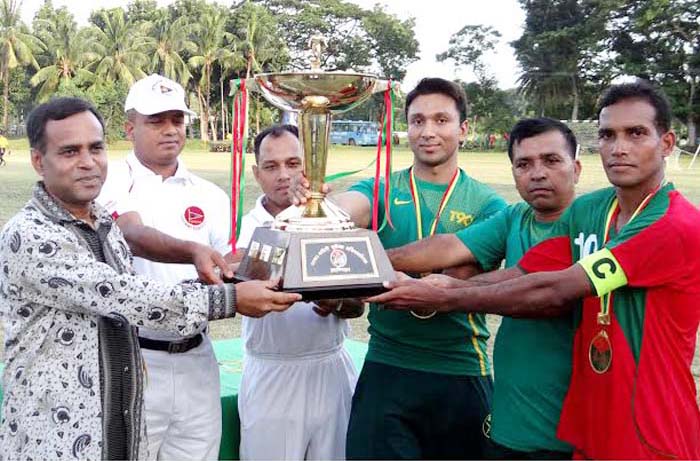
644	405
451	343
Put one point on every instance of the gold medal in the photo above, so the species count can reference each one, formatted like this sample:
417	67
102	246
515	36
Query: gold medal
423	314
600	352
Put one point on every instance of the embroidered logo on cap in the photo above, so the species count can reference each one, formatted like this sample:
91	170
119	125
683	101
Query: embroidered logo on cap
162	87
194	216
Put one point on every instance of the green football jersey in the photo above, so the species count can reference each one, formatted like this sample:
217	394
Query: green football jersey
451	343
532	357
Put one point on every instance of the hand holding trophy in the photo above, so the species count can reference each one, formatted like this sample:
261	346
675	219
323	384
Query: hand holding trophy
315	249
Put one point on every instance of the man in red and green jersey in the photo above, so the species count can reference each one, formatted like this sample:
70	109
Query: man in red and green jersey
632	394
528	394
425	388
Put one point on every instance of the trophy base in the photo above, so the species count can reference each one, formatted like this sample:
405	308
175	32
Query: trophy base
318	265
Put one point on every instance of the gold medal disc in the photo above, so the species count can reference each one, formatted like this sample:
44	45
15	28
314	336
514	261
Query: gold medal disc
423	314
600	353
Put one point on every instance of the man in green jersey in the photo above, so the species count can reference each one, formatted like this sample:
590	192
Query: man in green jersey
425	388
528	394
637	251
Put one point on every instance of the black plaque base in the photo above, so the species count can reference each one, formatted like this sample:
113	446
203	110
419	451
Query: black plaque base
318	265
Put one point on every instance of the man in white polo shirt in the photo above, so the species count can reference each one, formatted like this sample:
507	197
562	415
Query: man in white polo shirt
183	409
298	379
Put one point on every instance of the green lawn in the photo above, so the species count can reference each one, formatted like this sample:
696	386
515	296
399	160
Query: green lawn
17	178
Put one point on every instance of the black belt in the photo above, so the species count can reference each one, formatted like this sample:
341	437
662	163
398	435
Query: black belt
172	347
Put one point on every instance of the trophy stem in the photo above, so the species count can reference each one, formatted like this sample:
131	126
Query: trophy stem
314	133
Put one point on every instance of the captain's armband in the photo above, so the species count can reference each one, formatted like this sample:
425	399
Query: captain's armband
604	271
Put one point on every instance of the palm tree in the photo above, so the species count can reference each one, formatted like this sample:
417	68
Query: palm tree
210	38
260	46
68	54
169	41
122	45
17	47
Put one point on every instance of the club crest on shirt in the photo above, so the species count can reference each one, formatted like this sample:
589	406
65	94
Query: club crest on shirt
193	216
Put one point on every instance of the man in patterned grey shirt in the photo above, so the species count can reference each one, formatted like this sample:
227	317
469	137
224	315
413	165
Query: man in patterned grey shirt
71	304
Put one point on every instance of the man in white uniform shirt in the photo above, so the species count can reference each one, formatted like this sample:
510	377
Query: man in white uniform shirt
183	408
298	379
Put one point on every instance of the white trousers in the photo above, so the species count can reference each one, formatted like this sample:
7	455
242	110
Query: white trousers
296	409
183	406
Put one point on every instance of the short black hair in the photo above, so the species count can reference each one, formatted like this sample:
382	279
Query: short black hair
440	86
55	109
640	89
275	131
530	127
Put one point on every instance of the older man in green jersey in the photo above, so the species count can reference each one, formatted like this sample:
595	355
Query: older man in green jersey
425	388
528	394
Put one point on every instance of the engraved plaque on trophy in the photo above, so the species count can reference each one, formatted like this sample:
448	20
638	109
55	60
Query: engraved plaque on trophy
315	249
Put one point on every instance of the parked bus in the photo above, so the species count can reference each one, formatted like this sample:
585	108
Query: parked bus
354	132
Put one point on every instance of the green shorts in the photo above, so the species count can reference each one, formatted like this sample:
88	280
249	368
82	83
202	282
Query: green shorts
399	413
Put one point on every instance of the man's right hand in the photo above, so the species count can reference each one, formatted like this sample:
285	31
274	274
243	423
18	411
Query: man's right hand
258	297
299	191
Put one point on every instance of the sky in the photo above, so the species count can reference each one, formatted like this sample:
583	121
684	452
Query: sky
436	21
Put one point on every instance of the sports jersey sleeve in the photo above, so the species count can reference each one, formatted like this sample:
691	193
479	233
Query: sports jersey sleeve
487	240
493	205
647	256
366	188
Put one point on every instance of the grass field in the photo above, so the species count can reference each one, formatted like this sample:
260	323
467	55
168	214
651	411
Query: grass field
18	177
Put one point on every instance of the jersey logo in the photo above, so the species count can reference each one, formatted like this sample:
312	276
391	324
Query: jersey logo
462	218
486	426
402	202
194	216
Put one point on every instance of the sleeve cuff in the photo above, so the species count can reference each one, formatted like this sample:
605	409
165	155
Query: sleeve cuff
222	301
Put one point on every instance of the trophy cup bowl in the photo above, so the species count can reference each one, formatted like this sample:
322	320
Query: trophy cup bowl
316	250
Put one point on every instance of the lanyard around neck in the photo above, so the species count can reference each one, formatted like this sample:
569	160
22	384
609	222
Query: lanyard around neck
415	195
605	300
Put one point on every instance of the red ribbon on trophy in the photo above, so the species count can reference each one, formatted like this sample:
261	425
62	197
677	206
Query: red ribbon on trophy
238	148
384	141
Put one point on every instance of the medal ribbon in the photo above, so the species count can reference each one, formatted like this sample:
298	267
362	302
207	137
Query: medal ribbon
452	185
238	148
605	300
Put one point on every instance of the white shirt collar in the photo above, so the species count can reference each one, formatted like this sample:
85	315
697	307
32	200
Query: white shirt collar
138	169
259	213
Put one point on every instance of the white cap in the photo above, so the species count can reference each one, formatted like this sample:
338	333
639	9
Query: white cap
155	94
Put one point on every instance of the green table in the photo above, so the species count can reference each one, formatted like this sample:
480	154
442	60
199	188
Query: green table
229	354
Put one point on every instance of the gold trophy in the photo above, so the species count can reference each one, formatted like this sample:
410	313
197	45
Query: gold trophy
316	250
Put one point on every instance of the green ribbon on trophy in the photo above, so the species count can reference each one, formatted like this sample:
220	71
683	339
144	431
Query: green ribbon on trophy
239	146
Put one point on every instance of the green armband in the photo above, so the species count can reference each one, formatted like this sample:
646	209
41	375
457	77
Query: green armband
604	271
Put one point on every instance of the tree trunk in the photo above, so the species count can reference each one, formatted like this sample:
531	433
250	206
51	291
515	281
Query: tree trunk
214	134
223	106
692	124
574	87
5	97
203	116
